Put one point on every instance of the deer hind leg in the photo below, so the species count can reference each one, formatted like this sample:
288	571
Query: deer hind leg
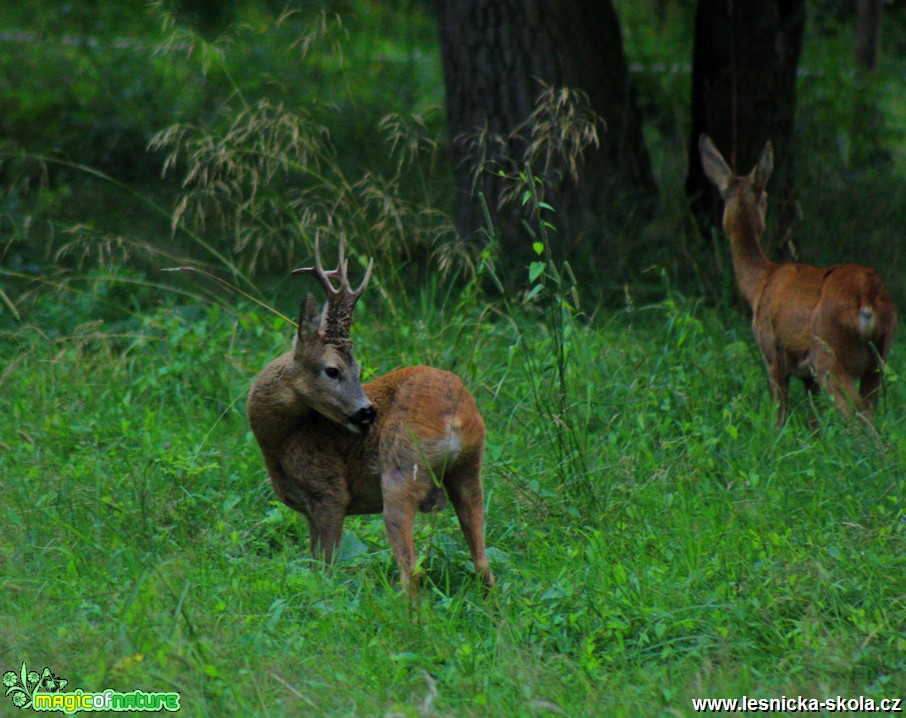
839	384
463	484
830	372
870	384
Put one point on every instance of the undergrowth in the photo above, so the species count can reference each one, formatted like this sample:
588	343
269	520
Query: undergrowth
692	550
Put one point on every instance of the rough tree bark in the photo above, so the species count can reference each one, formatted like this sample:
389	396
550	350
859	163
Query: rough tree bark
744	67
496	55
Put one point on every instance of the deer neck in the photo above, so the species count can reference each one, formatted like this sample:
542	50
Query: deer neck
274	410
750	264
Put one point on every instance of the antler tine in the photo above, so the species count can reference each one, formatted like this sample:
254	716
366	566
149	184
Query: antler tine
323	276
358	292
342	271
340	300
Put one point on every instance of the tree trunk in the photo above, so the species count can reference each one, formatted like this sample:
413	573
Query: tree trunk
497	57
868	34
744	67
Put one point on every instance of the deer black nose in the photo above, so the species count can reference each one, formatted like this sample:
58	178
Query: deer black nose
364	417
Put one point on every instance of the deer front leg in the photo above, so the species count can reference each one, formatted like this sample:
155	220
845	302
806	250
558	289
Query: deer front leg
325	523
813	388
400	505
777	363
779	380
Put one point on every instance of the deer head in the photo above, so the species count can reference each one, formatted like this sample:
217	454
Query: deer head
329	380
745	198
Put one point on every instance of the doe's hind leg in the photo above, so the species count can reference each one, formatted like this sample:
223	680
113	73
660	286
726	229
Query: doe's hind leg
870	383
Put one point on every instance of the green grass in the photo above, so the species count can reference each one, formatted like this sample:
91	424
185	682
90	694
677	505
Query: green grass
655	536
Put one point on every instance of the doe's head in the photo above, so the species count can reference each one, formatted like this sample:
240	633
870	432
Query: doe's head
745	197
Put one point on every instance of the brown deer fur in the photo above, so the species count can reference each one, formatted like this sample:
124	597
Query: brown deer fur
831	327
395	446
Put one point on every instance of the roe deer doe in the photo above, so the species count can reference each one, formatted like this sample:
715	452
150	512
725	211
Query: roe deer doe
396	445
830	327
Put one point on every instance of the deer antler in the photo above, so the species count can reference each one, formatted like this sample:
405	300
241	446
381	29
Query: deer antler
340	300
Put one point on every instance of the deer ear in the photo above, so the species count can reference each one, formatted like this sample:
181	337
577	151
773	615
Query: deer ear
714	165
310	319
765	166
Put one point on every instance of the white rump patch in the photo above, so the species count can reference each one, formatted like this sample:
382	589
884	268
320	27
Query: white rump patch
866	320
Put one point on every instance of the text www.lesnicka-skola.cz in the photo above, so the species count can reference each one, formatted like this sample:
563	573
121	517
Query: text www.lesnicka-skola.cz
798	704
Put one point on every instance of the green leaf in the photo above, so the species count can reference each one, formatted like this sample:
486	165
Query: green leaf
406	658
538	247
531	295
535	270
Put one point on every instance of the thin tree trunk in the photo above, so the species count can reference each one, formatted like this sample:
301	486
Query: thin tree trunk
869	14
867	149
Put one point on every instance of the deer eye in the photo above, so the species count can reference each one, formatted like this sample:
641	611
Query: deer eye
332	372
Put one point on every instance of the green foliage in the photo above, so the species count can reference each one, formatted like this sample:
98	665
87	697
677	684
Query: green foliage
272	181
547	359
96	100
88	86
693	550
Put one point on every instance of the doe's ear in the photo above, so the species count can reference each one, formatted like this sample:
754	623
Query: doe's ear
762	171
310	318
713	163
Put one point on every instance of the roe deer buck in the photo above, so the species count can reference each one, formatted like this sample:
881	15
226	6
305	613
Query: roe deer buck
830	327
334	447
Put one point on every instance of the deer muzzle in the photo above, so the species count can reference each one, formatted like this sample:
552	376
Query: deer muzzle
362	419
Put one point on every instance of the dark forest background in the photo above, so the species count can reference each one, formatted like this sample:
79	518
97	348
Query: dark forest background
229	134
